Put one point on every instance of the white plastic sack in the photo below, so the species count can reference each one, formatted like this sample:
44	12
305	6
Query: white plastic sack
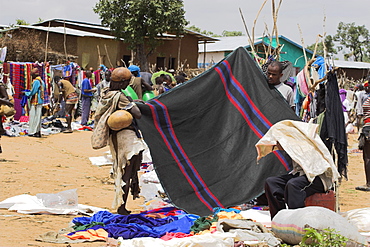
289	224
260	216
27	204
216	239
360	218
63	199
350	128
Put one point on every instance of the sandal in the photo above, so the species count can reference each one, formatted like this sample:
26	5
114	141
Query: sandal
68	131
363	188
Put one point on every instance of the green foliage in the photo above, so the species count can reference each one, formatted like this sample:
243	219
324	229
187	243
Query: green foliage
140	22
329	44
284	245
323	238
355	38
231	33
194	29
198	30
211	34
21	22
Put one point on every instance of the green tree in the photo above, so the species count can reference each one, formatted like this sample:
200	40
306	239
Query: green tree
141	23
231	33
329	44
194	29
198	30
354	38
21	22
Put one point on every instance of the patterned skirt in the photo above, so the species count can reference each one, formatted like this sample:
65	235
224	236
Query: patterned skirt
72	98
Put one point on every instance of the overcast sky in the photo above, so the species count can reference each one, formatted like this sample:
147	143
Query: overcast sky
216	15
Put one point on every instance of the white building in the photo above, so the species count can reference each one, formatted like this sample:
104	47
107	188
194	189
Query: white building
212	53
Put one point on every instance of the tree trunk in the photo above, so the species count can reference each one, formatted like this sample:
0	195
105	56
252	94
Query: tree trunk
141	56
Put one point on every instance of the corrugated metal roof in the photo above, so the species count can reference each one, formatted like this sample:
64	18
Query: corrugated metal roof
233	42
225	44
349	64
77	23
201	37
80	33
68	31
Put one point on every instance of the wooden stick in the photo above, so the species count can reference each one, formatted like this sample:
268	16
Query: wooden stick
123	63
47	41
178	54
255	20
65	45
268	34
246	29
303	47
276	31
99	57
323	42
132	58
106	51
312	88
317	41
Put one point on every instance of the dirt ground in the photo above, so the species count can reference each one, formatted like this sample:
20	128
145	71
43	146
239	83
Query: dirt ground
60	162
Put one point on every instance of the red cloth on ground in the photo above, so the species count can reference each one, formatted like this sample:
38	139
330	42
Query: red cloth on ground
171	235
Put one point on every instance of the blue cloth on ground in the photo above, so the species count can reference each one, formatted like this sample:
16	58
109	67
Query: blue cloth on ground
216	210
135	230
101	216
138	225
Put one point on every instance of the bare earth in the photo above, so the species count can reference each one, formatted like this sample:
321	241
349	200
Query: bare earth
60	162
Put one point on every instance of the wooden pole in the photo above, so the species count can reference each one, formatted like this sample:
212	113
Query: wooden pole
99	57
246	30
204	56
303	46
255	20
178	55
64	43
106	51
46	47
132	58
276	31
323	44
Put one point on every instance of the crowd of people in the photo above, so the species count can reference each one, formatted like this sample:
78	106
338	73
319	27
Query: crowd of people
293	188
126	144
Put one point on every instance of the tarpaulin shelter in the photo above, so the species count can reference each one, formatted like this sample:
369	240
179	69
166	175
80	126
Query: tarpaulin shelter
202	135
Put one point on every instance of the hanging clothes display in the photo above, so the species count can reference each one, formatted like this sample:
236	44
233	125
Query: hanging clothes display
333	131
19	74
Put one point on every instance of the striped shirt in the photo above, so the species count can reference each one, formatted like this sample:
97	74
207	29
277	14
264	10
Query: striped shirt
366	110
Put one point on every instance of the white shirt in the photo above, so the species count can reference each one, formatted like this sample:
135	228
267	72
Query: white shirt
286	92
361	98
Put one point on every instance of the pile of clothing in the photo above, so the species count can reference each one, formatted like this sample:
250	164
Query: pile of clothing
170	226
